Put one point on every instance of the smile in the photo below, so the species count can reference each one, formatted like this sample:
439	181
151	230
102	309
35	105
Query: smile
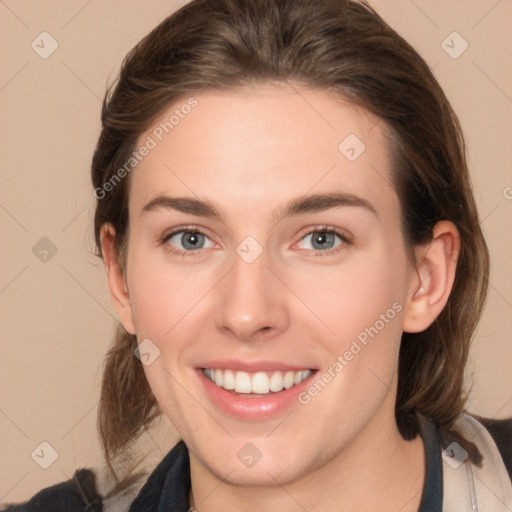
260	383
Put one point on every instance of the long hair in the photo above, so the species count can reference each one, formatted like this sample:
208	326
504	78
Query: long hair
342	47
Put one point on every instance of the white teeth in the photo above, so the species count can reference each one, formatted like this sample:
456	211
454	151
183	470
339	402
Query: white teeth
243	382
276	382
289	380
229	380
218	378
260	383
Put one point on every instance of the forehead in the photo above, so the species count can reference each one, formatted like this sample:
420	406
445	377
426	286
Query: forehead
263	144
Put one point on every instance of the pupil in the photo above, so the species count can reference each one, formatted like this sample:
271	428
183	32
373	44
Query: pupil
321	239
191	240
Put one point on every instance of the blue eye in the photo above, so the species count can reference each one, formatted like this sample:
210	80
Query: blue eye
326	240
187	240
323	240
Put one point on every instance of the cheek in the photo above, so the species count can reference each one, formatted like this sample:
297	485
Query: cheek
352	297
161	295
172	305
363	309
363	306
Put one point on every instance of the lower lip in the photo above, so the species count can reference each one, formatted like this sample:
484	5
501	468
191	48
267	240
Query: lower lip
253	408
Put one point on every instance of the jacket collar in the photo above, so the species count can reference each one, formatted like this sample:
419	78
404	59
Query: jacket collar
481	484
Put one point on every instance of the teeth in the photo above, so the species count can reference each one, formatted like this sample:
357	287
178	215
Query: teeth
276	382
260	383
229	380
289	379
242	382
218	378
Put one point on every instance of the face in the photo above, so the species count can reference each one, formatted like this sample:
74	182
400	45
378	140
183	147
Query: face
265	253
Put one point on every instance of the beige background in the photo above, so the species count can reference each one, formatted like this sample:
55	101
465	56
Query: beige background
56	317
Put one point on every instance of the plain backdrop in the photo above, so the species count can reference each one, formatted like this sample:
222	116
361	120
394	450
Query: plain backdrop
56	318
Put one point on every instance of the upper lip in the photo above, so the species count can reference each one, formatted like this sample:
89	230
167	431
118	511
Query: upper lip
253	366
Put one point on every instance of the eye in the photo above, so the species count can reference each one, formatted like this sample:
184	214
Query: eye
186	241
325	239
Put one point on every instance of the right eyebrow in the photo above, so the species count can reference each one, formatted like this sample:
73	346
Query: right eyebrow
182	204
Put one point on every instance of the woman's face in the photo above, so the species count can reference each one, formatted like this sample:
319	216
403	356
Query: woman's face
291	285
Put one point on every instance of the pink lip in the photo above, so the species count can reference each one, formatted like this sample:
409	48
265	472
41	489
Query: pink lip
252	408
255	366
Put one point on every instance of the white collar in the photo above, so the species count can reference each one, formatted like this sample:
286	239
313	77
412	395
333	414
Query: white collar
468	487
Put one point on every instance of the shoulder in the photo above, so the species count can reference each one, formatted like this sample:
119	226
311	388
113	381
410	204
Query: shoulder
487	438
476	464
78	494
91	490
501	432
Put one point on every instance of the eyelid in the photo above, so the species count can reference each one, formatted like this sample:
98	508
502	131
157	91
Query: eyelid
326	228
190	228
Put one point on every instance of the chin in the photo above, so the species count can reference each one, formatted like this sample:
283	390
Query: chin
253	462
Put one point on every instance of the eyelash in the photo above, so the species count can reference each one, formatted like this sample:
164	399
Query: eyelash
316	229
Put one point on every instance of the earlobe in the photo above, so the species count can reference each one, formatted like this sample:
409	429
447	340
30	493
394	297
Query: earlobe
116	279
432	277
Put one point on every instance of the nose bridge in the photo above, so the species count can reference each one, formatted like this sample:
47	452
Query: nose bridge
252	301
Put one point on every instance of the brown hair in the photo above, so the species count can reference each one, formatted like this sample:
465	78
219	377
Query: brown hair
338	46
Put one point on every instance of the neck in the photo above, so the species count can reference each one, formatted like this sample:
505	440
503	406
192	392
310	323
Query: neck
379	470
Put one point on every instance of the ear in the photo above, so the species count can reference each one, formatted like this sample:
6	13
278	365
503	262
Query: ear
432	277
119	294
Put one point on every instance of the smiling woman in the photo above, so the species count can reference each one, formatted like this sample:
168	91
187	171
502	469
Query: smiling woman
298	265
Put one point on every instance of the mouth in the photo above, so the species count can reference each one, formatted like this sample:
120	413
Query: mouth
255	383
251	393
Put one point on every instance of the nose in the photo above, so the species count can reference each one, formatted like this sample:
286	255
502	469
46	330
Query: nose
252	301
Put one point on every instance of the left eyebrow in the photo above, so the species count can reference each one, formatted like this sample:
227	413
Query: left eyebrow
297	206
322	202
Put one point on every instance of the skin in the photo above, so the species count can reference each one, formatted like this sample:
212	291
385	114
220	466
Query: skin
249	152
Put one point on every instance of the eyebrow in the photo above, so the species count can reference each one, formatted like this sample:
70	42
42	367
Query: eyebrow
297	206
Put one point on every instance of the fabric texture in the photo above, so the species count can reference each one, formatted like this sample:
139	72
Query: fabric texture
466	470
432	498
480	485
78	494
